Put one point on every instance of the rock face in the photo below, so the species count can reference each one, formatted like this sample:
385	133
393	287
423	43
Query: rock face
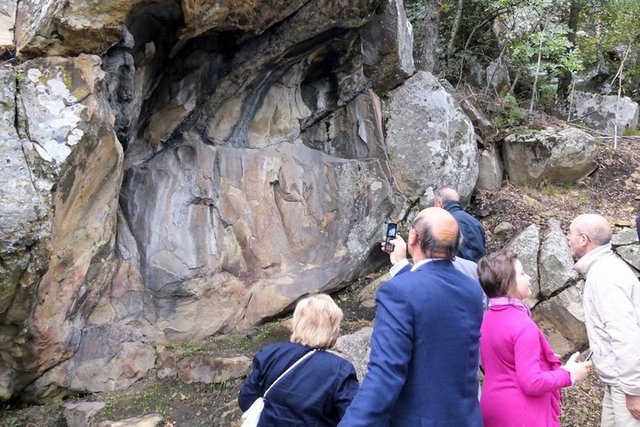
605	112
431	141
213	165
7	22
551	155
387	46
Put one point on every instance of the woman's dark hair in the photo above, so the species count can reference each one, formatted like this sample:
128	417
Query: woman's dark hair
497	273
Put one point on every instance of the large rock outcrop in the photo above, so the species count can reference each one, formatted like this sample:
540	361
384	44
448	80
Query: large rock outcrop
213	164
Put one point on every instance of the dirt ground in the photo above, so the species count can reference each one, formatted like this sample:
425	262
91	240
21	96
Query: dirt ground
612	190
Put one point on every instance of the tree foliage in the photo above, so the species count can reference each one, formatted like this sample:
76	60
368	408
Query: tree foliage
543	43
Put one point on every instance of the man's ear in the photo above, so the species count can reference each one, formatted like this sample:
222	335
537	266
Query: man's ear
412	238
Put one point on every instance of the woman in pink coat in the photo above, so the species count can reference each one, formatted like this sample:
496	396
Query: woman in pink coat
523	376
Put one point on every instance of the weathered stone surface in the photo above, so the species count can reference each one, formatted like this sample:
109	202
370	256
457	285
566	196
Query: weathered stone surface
490	168
497	76
631	254
152	420
626	236
211	369
605	112
367	296
387	47
356	348
526	245
61	27
22	209
252	16
504	229
562	320
73	152
262	220
107	359
551	155
555	261
426	123
81	414
7	22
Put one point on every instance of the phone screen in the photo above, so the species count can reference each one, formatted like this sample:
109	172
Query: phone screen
392	229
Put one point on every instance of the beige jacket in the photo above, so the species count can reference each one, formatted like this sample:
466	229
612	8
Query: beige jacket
612	316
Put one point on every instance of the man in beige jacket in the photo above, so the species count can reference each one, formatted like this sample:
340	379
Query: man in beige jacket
612	316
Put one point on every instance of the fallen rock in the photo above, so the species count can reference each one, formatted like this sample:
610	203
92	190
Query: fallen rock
81	414
356	348
152	420
551	155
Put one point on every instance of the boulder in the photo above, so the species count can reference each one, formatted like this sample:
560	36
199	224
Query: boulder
426	123
526	245
555	261
626	236
490	169
7	24
151	420
562	320
605	112
210	369
631	254
356	348
387	47
367	296
497	73
81	414
556	156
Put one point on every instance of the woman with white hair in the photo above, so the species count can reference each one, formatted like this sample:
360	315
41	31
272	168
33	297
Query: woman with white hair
318	390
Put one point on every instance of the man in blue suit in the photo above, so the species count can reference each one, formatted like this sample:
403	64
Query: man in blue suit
425	342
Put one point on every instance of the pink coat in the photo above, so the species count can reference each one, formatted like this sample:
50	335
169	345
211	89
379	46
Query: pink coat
523	377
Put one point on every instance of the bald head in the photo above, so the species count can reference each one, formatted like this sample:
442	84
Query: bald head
445	195
436	234
595	226
587	232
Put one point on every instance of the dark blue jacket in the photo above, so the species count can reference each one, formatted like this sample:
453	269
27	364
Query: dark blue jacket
424	352
315	393
474	240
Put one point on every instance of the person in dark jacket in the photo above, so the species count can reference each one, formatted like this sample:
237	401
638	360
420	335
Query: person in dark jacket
318	391
473	245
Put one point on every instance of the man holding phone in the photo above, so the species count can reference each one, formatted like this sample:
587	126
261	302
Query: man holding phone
425	342
611	301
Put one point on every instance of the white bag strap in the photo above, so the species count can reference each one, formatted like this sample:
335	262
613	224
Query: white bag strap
306	356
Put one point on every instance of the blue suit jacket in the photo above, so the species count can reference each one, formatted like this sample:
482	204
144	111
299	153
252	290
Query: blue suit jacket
424	352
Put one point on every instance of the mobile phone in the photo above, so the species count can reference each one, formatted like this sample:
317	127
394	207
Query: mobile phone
586	359
392	230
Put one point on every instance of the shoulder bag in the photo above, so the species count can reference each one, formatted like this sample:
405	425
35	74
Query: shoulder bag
251	416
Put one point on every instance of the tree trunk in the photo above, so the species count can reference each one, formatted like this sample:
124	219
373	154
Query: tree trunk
565	79
454	30
429	56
